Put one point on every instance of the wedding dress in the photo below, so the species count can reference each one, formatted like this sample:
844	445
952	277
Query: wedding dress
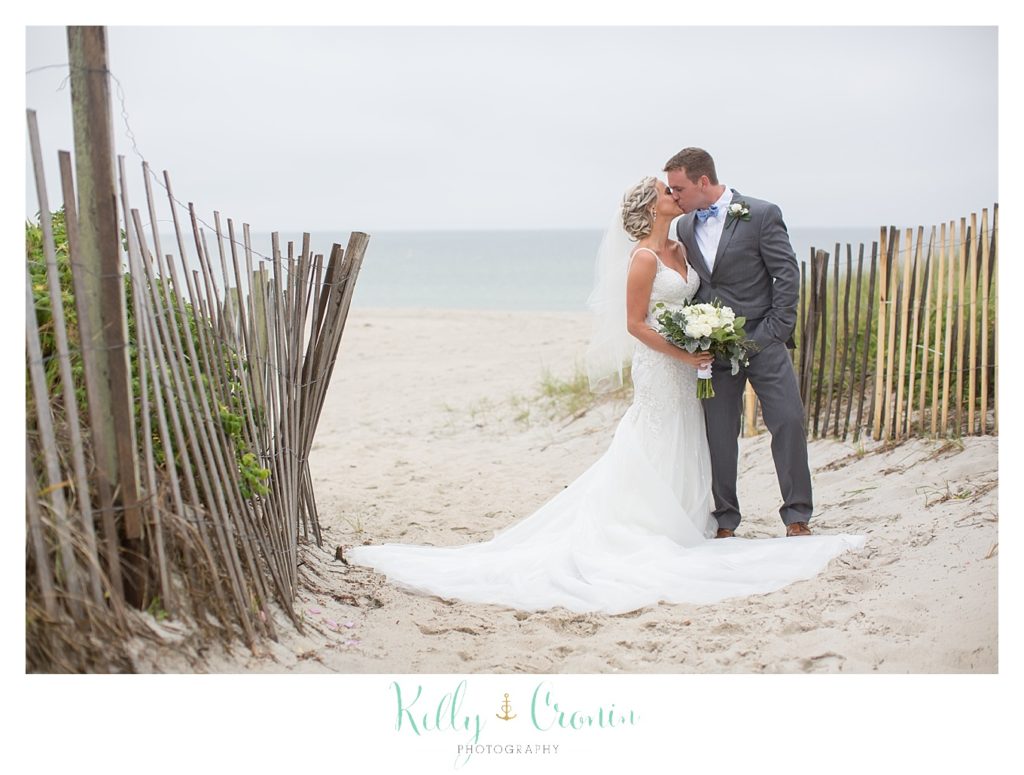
634	529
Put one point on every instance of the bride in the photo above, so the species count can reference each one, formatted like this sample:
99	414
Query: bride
633	530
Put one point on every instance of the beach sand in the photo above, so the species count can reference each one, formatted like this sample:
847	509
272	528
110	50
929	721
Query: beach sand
434	432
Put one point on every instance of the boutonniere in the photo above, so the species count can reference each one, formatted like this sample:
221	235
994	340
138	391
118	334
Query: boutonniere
738	211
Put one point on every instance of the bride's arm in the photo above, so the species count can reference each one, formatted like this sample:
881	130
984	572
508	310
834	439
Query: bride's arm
638	299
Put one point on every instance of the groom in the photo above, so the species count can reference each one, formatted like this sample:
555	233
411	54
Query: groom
740	248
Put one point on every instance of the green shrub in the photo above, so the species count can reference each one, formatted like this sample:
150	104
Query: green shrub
230	408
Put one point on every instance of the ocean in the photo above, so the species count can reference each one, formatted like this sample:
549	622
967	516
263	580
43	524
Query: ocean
549	270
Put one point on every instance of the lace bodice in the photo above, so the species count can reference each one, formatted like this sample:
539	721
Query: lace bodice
663	385
669	286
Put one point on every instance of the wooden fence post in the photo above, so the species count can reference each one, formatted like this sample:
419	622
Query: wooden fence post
906	299
800	334
966	237
99	253
995	318
834	341
867	333
984	321
914	307
821	302
846	342
749	411
972	340
940	276
877	401
947	363
925	332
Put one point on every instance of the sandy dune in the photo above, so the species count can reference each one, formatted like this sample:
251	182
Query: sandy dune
434	433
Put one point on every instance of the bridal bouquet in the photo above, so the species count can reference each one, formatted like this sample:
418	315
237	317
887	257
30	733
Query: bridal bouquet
711	328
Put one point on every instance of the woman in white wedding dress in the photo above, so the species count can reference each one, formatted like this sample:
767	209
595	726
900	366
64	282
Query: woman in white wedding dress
636	527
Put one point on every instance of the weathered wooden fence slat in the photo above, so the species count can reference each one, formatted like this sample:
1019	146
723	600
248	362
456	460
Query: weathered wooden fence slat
923	334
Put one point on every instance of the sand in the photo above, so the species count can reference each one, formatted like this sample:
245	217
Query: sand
434	432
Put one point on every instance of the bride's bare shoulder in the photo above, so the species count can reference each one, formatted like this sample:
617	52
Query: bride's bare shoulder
678	249
642	261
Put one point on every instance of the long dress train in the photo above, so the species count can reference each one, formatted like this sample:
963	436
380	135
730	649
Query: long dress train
632	530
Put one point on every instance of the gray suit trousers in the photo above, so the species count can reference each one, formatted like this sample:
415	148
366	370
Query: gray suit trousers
772	376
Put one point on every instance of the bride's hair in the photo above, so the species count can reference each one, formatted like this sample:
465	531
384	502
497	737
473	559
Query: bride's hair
636	209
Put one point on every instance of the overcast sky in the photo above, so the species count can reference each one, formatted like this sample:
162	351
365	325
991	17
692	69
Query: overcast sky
376	128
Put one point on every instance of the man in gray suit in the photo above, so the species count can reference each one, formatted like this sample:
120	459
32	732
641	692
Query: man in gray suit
740	248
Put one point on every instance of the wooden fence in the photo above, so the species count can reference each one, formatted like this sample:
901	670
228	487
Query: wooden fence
899	339
229	356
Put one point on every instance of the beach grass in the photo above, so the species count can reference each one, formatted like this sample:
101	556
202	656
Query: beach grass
566	397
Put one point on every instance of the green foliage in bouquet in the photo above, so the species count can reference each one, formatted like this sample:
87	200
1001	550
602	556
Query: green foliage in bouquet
725	341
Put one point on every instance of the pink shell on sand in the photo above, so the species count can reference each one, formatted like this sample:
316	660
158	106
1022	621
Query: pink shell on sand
312	610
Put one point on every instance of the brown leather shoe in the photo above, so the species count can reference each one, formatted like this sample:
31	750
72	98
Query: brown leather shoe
798	529
724	532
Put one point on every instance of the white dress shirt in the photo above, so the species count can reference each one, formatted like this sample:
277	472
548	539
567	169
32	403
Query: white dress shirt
709	233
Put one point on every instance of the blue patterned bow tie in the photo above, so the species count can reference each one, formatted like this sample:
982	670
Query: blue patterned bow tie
707	212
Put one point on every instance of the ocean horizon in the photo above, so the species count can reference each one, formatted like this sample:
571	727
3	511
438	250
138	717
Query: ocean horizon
507	270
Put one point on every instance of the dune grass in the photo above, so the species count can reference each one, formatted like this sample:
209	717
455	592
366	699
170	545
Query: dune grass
566	398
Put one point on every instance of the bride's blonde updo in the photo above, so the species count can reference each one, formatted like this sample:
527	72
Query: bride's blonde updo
637	210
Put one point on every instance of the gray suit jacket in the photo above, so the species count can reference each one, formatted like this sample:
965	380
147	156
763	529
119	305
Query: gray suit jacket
755	270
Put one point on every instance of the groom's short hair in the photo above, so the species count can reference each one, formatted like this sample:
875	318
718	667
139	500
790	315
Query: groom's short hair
695	162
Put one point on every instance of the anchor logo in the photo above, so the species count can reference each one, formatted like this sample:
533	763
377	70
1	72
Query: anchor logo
506	707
